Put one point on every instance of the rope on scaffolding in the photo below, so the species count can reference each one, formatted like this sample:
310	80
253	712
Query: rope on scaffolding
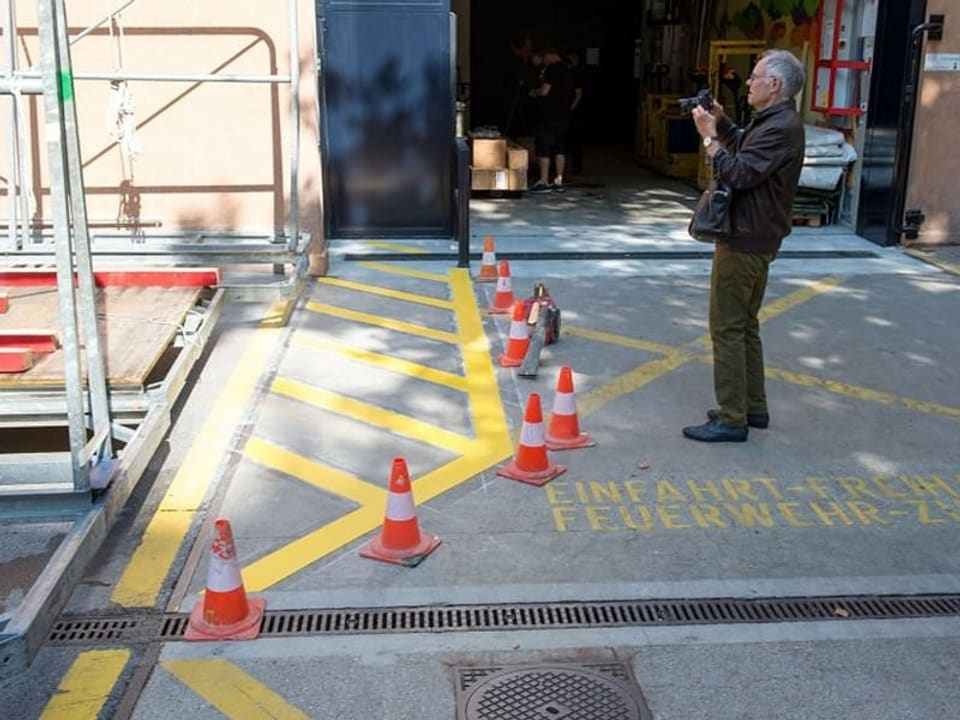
121	124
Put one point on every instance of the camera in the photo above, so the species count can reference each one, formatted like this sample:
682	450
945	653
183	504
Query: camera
702	98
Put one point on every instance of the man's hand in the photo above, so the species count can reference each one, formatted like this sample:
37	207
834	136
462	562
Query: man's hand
706	122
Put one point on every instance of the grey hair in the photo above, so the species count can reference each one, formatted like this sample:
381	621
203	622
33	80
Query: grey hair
783	64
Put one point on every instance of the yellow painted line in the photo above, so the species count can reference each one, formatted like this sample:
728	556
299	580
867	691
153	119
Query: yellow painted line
492	445
387	293
371	414
278	314
280	564
489	420
862	393
788	302
622	340
405	271
397	247
232	691
142	579
270	569
591	401
319	475
387	362
87	685
386	323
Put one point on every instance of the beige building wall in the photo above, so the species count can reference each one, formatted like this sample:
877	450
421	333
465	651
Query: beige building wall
213	156
936	153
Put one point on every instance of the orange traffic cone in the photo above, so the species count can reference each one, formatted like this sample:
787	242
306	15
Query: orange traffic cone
564	430
225	613
503	300
488	264
400	541
519	339
531	464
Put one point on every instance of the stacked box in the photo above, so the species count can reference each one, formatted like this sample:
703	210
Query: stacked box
499	165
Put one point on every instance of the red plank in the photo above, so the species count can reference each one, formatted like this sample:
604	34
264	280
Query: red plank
14	360
142	277
41	341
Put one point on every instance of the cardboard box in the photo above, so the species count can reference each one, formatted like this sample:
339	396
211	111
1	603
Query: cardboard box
489	153
517	179
503	180
518	157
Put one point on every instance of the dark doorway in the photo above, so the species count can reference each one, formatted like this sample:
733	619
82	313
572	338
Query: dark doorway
504	32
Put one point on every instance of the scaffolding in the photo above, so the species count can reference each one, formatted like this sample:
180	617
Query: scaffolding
112	429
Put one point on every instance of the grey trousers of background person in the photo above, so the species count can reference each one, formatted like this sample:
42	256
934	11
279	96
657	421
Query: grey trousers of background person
737	283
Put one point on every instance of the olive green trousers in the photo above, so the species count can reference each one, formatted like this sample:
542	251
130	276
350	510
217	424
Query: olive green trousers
737	283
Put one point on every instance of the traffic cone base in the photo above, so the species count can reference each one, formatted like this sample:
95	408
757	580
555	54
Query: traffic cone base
538	477
581	441
246	629
409	557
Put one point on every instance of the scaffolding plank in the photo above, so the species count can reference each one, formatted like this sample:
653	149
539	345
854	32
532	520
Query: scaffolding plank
139	277
136	323
37	340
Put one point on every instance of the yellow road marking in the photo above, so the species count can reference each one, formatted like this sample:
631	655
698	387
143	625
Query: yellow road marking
320	475
623	341
397	247
862	393
387	362
143	577
232	691
371	414
591	401
408	272
788	302
279	313
386	323
492	445
387	293
86	687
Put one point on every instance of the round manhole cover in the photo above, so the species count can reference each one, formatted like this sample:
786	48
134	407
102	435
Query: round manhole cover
549	692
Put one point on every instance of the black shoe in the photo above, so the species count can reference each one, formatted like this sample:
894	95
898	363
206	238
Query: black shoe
716	431
540	187
754	420
559	188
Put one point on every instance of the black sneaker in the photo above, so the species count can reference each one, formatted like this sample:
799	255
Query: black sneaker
540	187
559	188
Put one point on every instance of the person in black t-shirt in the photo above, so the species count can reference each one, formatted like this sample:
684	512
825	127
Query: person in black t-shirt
554	98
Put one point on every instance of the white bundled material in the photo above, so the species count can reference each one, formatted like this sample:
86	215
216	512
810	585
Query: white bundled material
826	158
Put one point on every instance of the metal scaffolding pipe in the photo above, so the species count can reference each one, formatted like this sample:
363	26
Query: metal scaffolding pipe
295	129
168	77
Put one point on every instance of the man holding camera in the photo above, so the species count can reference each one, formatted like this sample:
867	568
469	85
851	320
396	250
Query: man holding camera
761	165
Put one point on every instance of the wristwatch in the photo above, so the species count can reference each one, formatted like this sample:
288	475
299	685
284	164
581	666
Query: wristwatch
709	140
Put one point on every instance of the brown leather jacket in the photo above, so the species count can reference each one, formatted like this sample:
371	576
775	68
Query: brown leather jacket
761	164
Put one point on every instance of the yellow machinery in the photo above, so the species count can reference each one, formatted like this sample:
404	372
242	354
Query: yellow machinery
667	140
721	54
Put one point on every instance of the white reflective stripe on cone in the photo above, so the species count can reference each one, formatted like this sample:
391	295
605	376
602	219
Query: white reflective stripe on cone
503	283
532	434
223	575
563	404
488	259
400	506
518	330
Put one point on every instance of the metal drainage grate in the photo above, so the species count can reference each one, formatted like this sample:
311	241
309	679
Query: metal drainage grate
550	692
531	616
